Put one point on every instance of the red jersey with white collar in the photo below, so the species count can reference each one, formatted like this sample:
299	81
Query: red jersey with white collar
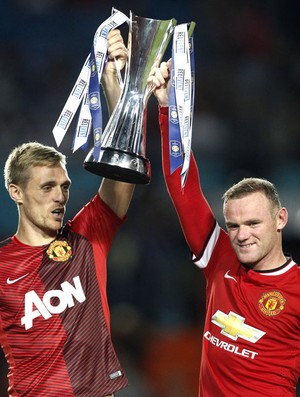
251	339
54	314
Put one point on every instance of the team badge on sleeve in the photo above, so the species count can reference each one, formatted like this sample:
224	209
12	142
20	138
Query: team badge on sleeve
271	303
59	251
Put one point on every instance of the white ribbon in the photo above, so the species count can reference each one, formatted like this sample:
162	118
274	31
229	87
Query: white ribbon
79	92
183	92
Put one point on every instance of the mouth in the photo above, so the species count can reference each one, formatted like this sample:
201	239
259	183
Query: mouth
245	246
58	213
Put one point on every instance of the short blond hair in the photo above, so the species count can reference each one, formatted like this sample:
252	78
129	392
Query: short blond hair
28	155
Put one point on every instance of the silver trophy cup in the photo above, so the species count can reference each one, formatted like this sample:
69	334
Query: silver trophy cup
123	147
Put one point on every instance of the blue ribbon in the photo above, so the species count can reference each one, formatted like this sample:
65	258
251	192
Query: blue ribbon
175	147
95	105
175	143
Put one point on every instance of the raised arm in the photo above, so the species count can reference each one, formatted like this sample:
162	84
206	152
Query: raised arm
117	195
194	213
116	50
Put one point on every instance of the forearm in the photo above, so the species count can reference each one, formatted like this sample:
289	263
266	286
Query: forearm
111	88
194	213
117	57
117	195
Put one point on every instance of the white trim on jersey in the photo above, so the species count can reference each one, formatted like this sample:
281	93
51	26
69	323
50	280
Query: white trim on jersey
203	261
280	271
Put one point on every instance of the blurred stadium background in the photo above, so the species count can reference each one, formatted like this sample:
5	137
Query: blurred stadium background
246	123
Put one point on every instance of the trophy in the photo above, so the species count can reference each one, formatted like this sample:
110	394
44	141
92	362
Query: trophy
123	146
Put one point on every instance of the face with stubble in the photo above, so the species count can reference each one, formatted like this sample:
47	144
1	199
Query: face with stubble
42	202
254	227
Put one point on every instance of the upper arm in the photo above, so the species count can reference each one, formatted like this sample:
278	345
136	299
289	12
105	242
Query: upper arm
117	195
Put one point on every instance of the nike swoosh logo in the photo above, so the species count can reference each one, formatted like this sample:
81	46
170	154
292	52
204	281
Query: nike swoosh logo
226	275
9	281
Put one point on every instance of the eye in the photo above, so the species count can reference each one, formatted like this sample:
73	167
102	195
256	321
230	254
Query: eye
232	226
47	188
253	224
66	187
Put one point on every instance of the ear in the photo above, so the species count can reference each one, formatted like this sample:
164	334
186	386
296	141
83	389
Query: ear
16	193
282	218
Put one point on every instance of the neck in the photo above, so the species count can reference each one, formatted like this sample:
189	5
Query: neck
35	239
269	266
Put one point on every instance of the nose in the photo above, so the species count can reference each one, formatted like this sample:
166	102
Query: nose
242	233
60	195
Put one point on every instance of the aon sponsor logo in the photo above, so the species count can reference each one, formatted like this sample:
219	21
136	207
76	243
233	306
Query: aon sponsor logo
35	307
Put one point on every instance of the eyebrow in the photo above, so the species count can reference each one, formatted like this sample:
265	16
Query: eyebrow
247	222
53	183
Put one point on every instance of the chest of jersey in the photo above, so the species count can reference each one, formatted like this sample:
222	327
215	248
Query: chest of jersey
253	324
37	283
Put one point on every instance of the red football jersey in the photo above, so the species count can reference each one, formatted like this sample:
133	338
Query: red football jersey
251	339
54	313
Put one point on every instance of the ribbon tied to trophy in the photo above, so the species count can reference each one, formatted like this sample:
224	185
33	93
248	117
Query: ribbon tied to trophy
181	99
86	90
119	152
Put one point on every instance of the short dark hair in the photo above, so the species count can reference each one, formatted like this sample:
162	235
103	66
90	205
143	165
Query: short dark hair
252	185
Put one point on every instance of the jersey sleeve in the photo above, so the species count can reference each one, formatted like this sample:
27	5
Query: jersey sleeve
97	222
195	215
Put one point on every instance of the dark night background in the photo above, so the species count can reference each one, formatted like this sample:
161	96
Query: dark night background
246	123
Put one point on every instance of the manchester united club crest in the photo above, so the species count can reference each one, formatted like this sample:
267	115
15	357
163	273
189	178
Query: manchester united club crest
271	303
59	251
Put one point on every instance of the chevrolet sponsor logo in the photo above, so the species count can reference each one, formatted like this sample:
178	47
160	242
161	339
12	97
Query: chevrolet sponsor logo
234	327
230	347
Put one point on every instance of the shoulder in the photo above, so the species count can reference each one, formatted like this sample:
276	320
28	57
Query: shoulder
5	242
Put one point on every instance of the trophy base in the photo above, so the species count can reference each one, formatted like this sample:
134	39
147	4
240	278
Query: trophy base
120	166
